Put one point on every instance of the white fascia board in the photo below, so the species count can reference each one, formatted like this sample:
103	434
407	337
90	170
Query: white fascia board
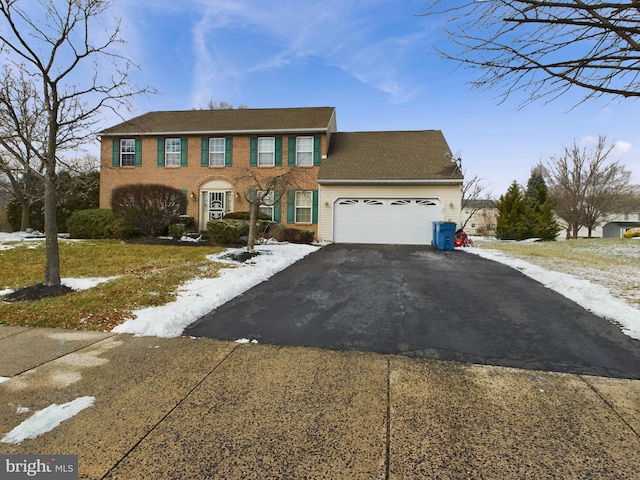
426	181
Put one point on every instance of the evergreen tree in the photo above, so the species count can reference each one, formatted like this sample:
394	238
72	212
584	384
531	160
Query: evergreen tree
542	223
512	212
546	224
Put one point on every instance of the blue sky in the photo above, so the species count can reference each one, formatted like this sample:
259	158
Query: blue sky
371	59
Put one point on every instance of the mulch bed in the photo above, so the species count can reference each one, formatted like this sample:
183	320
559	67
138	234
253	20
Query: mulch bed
36	292
240	256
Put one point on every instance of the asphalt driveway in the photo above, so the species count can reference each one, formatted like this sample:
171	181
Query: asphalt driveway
420	302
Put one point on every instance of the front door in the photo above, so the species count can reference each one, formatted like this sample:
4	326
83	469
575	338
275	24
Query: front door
215	205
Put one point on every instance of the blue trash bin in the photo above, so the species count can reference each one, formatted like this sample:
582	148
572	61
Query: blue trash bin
444	235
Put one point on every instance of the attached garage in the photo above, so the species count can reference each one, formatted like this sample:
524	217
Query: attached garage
387	187
385	220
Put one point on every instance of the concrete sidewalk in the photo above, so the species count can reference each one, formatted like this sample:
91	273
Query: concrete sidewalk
187	408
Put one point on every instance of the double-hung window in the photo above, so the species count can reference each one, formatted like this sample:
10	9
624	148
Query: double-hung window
304	206
304	151
266	206
127	152
216	152
172	152
266	151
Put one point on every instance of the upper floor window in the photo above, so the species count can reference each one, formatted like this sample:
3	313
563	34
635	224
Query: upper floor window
216	152
127	152
172	152
304	151
266	151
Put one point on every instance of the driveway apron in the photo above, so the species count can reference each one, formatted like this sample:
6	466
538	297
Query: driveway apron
421	302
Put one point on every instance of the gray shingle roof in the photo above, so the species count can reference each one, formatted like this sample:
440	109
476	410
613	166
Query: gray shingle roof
313	119
402	157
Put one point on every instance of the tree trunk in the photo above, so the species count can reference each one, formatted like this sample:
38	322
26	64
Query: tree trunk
52	267
24	219
253	219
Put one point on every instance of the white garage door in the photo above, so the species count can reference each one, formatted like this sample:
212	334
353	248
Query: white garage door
383	220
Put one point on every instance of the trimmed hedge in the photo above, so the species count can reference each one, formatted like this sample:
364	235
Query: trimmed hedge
293	235
226	232
244	216
98	223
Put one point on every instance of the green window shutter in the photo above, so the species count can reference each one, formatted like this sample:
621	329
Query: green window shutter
252	195
291	159
253	152
228	151
277	217
314	209
160	161
291	206
317	145
278	160
115	152
183	152
204	152
138	157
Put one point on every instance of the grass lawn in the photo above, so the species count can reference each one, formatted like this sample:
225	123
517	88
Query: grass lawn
147	275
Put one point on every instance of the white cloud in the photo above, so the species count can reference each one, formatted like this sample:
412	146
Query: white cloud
621	147
336	33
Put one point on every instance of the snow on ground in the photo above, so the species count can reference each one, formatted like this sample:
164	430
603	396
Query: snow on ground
47	419
84	283
200	296
593	297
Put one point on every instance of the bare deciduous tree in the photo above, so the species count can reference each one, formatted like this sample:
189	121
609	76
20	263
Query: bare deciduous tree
224	106
473	190
263	190
585	186
544	48
22	132
64	51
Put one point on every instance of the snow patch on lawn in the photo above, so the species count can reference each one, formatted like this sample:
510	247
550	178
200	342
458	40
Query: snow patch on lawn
85	283
200	296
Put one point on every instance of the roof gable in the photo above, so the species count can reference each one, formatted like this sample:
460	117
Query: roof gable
397	157
247	120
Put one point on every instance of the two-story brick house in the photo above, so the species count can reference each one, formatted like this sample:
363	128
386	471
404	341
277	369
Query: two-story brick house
376	187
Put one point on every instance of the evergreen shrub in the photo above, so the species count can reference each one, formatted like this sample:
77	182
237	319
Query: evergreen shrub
226	232
98	223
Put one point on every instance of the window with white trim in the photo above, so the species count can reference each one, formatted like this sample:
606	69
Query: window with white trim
304	206
216	152
172	152
266	206
127	152
266	151
304	151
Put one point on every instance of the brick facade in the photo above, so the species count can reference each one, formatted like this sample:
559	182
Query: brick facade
192	177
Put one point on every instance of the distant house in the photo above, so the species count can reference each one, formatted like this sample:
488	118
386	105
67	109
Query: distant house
615	225
480	217
352	187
